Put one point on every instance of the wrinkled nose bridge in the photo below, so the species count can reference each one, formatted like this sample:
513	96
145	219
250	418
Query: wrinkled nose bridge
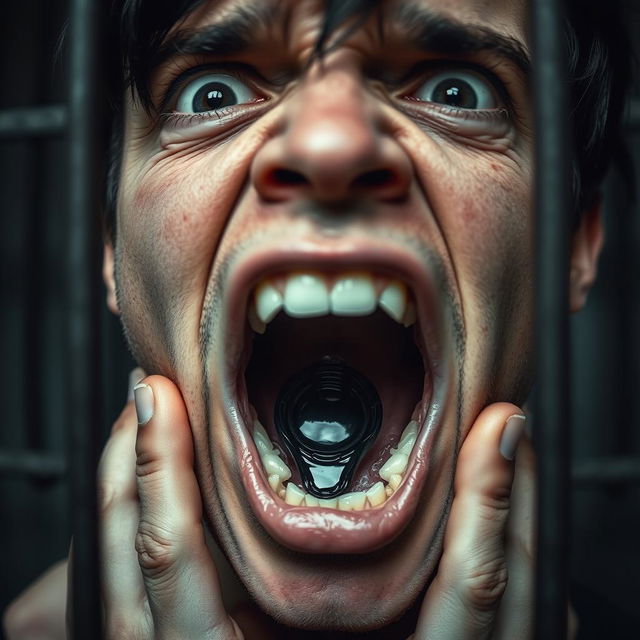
331	120
332	144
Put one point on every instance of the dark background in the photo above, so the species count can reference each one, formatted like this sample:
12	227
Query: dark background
34	522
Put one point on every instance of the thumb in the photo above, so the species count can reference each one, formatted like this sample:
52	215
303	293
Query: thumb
179	574
463	600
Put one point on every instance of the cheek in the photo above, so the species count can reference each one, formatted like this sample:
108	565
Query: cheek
181	210
172	214
491	223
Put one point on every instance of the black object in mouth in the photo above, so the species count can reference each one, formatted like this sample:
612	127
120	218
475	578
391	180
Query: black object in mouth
327	416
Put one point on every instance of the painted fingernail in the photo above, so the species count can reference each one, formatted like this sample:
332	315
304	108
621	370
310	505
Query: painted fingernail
143	395
511	434
134	377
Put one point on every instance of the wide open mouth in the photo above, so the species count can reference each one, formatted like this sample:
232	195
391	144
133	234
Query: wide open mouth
339	382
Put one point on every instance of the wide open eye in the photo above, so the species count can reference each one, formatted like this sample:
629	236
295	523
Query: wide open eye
462	89
213	91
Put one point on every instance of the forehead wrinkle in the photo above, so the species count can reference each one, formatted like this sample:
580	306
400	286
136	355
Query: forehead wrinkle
212	11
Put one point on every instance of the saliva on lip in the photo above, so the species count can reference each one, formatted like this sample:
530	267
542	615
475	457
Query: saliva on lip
327	416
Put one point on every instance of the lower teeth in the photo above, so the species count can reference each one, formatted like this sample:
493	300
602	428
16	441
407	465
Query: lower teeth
392	473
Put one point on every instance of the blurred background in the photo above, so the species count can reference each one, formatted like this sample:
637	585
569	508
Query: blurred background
34	505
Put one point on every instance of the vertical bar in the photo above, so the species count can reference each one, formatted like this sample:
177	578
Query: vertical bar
86	107
551	410
34	351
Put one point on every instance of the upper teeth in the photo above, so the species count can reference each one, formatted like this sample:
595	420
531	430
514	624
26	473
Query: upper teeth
307	294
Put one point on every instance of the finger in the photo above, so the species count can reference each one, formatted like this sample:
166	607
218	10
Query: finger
134	378
516	613
39	612
123	592
463	599
179	574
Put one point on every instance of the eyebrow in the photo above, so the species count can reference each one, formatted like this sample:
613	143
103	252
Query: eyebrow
230	36
434	33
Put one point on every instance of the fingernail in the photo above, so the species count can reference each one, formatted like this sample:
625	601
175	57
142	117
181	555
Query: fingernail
143	395
134	377
511	434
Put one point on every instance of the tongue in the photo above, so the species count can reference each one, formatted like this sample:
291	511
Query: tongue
327	416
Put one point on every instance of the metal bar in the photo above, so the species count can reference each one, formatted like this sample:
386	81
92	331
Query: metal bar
33	349
33	122
86	107
551	408
603	471
633	114
46	466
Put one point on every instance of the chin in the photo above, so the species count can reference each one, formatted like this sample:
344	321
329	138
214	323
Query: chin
337	608
338	592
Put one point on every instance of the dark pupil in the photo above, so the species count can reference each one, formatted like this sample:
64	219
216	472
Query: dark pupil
214	95
455	93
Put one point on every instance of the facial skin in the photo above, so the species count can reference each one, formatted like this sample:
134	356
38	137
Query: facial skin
386	179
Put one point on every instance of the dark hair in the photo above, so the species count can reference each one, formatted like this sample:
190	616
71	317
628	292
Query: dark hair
599	57
600	64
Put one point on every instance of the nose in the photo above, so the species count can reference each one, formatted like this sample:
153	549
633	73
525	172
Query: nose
332	145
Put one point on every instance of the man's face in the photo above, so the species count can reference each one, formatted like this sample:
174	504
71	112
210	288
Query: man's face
396	172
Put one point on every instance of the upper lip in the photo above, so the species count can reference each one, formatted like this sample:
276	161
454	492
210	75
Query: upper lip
298	528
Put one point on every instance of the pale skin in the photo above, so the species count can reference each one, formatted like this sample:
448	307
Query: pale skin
201	199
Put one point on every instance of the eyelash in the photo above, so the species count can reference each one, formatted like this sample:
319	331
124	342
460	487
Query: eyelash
191	119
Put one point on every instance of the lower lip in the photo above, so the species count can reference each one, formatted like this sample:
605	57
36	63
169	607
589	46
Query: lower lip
324	530
321	530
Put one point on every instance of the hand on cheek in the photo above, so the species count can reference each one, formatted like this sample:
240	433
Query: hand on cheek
483	588
159	580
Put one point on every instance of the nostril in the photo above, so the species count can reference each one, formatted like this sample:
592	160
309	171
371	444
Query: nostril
375	178
287	178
